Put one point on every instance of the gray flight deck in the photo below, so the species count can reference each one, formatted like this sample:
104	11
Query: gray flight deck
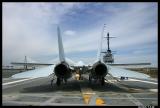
39	92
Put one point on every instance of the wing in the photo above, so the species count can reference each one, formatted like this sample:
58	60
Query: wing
119	72
30	64
41	72
129	64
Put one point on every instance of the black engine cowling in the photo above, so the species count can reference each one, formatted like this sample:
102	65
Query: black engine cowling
62	70
99	70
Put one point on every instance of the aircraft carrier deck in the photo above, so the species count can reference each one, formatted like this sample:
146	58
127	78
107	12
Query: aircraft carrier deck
39	92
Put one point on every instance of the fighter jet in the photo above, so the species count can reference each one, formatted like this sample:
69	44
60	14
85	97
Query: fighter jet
64	69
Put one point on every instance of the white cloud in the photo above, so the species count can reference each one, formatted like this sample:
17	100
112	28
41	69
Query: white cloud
30	28
128	26
70	33
27	28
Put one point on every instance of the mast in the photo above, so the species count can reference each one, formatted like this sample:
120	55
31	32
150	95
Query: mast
25	61
108	57
108	41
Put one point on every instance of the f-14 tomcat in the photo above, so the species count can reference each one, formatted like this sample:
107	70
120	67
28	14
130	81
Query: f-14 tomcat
64	69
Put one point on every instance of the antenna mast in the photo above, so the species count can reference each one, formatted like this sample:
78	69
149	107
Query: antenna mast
25	61
108	57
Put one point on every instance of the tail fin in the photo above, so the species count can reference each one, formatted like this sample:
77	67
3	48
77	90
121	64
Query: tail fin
100	45
60	46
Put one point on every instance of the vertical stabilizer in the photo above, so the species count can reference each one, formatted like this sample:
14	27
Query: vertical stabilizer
100	46
60	46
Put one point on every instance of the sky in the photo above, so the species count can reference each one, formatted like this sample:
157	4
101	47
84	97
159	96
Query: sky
30	29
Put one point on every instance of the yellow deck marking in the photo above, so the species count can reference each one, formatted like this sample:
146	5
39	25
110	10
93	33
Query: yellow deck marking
87	98
90	97
86	94
100	101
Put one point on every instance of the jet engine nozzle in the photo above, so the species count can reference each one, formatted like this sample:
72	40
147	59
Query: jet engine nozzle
62	70
99	70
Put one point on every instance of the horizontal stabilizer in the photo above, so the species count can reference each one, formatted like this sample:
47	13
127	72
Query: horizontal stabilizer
128	64
31	64
119	72
41	72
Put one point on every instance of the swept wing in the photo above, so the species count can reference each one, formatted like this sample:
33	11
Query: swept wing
120	72
41	72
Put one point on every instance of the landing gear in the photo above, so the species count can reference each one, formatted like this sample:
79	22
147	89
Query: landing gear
80	77
90	79
58	82
52	79
102	81
65	80
52	82
61	80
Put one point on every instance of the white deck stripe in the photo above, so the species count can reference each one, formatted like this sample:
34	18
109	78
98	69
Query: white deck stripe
17	81
153	90
130	79
134	100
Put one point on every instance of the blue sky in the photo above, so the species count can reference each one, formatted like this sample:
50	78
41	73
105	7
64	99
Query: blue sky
30	29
